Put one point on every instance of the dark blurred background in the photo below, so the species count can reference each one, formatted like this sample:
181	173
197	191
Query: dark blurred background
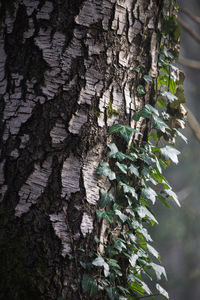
178	235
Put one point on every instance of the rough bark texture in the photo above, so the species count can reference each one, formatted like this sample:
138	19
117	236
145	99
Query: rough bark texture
66	74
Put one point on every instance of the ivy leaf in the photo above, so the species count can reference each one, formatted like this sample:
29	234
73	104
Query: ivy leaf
133	259
137	69
149	193
106	198
141	90
144	212
172	195
122	216
160	124
146	112
119	244
144	232
128	189
162	291
181	135
125	131
113	149
112	293
169	96
147	78
104	169
107	215
113	263
161	102
151	109
115	153
146	288
100	262
123	168
123	290
153	251
159	270
89	284
170	153
162	199
134	170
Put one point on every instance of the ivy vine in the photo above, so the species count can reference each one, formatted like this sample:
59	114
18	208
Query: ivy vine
127	261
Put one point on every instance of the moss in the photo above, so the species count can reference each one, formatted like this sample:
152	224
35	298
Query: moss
96	111
110	111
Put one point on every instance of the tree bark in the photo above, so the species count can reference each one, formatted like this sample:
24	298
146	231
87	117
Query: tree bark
67	72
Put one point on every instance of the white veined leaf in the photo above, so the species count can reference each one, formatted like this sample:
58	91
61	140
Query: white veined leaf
169	96
170	193
122	216
144	212
100	262
133	259
162	291
123	168
145	234
159	270
104	169
153	251
170	153
149	193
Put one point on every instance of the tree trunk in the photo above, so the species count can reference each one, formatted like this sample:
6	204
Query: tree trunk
67	72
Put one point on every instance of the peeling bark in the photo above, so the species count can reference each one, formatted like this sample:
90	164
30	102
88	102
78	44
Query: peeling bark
67	72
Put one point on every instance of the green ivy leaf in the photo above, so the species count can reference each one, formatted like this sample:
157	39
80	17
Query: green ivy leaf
122	216
149	193
133	258
160	124
100	262
162	199
147	78
115	153
172	195
133	170
123	168
128	189
113	149
106	198
141	90
113	263
153	251
169	96
144	212
137	69
161	102
159	270
104	169
145	233
89	284
181	135
107	215
119	244
125	131
112	293
170	153
162	291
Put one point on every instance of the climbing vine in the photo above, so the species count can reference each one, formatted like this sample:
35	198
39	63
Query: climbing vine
126	261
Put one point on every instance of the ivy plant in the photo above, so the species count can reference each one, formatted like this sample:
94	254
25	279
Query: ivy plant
127	261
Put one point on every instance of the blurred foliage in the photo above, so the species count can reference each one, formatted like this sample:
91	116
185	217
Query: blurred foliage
179	243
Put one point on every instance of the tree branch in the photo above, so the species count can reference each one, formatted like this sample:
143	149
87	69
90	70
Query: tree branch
195	64
189	14
194	124
189	30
